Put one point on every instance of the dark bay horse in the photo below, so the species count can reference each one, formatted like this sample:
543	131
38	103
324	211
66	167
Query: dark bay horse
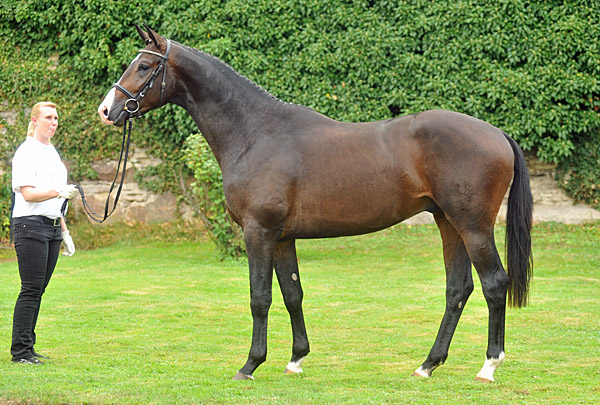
291	173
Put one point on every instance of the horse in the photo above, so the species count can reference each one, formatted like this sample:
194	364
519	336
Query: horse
292	173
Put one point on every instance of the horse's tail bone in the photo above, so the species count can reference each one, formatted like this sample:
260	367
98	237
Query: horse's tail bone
519	258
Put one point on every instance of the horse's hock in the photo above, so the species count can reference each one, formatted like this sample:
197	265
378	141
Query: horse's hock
136	204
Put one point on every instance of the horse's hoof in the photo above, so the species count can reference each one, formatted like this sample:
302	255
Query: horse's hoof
415	374
294	367
240	376
420	373
483	380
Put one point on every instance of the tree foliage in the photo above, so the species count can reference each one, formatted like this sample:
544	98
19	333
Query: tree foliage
531	68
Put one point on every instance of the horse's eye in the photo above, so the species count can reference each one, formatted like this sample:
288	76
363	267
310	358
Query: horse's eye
143	67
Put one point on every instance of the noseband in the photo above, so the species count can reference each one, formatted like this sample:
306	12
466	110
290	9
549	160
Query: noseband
132	105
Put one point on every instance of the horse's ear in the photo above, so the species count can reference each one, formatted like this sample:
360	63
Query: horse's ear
154	37
143	34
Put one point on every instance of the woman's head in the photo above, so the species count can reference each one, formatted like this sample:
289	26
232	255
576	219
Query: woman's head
43	117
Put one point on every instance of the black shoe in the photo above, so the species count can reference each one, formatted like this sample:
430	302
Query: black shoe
28	360
39	356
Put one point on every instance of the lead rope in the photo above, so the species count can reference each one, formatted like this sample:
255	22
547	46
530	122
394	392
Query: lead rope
124	148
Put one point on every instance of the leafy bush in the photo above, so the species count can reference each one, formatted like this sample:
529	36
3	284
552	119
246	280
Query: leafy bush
206	196
531	68
580	176
6	204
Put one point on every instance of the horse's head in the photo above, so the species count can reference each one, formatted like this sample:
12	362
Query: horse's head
143	86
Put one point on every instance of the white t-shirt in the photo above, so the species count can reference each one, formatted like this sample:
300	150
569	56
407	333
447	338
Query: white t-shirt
37	165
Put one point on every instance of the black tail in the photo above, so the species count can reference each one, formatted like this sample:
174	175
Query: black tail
519	259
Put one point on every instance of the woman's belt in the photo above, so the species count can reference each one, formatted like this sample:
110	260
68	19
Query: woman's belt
42	219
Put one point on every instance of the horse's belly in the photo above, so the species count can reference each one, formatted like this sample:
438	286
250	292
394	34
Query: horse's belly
345	214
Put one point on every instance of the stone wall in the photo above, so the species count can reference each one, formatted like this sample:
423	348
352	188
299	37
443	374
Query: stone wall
135	203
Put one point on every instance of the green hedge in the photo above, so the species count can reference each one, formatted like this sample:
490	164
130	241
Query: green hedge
531	68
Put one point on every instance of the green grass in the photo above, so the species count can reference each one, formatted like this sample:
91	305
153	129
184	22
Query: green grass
157	319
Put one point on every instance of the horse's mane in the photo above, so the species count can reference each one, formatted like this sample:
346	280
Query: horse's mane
235	73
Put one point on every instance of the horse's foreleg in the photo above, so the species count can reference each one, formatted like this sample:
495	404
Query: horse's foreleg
260	261
459	285
286	267
494	282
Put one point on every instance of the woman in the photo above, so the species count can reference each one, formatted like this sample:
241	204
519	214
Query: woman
39	180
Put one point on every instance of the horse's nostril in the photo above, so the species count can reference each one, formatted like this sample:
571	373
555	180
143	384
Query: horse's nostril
105	111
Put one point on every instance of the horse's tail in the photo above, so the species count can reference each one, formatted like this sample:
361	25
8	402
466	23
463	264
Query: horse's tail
519	259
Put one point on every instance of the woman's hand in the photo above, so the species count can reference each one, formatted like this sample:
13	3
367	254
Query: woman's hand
68	244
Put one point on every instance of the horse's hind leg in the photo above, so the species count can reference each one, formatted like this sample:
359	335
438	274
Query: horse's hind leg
459	285
286	268
494	282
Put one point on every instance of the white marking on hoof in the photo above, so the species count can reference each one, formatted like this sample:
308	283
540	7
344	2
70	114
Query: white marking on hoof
240	376
294	367
490	365
421	372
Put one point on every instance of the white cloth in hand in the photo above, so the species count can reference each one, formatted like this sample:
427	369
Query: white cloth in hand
67	192
68	244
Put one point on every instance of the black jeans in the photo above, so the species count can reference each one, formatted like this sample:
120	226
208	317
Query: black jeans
37	243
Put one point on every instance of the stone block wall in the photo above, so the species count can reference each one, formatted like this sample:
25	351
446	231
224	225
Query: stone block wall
135	203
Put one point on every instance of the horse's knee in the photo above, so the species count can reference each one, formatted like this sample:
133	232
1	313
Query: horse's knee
260	304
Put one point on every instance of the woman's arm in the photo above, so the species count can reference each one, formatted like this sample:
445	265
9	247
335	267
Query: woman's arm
34	195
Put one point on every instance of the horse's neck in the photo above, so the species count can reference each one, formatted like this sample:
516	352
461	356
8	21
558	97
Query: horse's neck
229	109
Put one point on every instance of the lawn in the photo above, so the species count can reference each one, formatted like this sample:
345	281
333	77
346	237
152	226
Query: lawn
149	320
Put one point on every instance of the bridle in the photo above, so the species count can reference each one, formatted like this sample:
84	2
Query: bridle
132	107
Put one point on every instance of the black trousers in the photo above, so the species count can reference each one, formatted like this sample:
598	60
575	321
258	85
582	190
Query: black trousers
37	242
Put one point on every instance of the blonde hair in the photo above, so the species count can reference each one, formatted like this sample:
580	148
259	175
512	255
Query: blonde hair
35	112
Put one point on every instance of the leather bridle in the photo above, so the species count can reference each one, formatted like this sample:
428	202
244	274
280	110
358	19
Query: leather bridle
132	105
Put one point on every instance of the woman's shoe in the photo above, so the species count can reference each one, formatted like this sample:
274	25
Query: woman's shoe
29	360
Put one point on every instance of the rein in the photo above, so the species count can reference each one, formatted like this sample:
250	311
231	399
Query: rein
132	107
122	158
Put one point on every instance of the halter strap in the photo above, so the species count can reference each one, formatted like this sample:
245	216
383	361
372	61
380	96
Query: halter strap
132	105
